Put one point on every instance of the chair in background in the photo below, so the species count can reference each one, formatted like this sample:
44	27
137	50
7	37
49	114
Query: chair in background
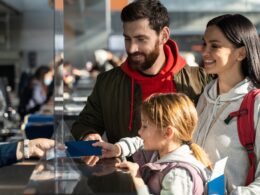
38	130
38	126
39	118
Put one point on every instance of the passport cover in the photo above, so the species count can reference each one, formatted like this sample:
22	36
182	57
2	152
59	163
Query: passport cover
82	148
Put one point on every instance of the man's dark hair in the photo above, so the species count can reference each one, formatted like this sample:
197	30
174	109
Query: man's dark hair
152	10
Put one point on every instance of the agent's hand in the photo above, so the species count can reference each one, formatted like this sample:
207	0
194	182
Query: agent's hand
92	160
109	150
37	147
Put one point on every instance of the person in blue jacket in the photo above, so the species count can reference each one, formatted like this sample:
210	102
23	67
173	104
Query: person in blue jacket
14	152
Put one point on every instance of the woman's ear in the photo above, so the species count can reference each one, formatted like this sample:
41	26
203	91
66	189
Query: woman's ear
241	54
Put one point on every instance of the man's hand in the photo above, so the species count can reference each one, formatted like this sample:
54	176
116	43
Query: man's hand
93	136
109	150
92	160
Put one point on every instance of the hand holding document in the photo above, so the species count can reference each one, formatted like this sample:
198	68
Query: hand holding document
216	184
76	149
82	148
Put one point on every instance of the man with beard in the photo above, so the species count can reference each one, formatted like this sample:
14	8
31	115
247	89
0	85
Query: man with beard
154	65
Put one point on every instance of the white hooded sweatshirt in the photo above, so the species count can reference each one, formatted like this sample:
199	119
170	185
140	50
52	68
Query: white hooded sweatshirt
220	140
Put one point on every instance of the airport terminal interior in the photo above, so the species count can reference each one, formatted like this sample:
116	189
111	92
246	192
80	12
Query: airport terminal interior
70	42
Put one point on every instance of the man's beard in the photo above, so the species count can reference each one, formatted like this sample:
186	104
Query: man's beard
149	59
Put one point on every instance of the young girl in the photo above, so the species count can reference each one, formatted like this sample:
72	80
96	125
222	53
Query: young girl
170	163
231	52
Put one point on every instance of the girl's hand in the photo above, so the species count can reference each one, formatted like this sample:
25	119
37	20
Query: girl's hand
109	150
133	168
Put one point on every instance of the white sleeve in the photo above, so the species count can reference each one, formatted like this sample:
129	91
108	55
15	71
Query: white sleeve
177	181
143	190
38	96
254	187
130	145
2	103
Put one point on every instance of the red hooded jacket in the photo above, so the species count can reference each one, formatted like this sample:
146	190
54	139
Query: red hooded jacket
160	83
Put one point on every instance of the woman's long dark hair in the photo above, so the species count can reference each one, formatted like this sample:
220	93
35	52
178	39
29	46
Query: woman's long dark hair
240	31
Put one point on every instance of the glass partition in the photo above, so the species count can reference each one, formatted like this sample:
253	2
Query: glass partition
79	29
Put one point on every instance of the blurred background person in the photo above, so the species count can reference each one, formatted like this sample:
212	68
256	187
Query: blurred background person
35	94
190	59
2	103
68	78
105	60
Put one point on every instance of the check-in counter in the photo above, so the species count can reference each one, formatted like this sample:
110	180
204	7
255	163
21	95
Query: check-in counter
73	176
14	178
67	176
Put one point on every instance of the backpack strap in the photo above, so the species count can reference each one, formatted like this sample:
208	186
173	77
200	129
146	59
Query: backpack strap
196	177
154	173
246	130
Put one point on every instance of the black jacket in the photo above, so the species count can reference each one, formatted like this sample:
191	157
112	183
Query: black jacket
108	107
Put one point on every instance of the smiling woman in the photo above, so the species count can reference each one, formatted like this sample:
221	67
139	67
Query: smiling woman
220	56
232	52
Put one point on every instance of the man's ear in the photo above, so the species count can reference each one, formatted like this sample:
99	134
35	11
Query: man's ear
165	34
242	53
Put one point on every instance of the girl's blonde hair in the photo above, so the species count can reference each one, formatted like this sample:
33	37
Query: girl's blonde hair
178	111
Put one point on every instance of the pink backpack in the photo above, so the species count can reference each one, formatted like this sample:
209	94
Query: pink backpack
153	173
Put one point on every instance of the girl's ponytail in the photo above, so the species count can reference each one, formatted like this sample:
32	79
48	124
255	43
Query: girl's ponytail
200	155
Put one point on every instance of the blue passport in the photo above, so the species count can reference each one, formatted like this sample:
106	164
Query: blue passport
82	148
217	186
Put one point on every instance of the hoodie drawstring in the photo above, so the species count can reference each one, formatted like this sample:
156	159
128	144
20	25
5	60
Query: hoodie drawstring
214	116
130	125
